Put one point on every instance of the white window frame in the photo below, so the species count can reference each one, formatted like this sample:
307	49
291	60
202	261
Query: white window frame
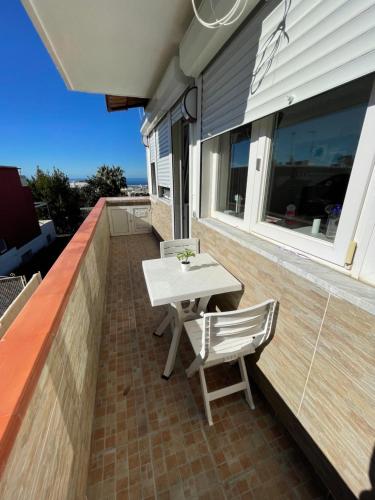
160	188
259	164
153	179
336	251
215	165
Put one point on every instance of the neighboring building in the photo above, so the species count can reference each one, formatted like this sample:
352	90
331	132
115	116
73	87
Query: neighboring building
135	190
77	184
260	142
21	234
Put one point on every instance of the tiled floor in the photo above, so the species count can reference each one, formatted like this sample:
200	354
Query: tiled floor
151	438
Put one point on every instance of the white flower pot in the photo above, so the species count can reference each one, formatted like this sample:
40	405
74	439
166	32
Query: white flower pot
185	266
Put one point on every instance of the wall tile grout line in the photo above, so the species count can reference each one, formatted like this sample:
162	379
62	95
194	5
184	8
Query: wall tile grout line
313	356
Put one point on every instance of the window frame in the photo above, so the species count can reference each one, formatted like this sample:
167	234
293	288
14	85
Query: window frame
160	189
334	252
215	167
154	189
258	168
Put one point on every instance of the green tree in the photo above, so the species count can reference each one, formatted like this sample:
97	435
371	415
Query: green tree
63	201
108	181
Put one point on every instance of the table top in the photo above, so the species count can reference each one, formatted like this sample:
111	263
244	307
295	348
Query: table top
167	283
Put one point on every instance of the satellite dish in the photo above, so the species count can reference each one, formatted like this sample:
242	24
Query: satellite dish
189	104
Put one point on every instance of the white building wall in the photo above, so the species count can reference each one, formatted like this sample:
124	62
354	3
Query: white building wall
12	259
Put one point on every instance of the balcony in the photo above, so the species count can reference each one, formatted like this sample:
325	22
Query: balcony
84	410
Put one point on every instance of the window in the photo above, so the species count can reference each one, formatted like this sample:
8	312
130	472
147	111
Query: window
313	149
164	192
153	178
232	172
299	176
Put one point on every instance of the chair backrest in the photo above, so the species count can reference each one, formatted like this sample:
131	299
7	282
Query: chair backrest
173	247
236	333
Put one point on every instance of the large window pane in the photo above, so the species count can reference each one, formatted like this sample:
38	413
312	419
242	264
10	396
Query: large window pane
233	168
313	150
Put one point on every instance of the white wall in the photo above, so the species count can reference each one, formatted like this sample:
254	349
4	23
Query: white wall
11	259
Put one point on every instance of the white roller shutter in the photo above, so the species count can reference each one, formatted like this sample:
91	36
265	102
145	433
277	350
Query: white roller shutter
176	113
265	67
163	153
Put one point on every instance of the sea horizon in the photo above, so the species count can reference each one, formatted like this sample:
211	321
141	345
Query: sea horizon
131	181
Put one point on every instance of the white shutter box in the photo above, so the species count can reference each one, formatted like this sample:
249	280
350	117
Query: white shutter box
163	153
287	52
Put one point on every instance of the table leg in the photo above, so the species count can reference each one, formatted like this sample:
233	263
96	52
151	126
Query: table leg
178	315
163	325
177	325
202	304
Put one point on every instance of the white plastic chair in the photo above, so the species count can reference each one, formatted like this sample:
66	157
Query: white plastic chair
226	337
171	248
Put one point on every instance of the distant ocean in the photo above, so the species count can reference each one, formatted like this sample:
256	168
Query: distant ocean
132	181
136	180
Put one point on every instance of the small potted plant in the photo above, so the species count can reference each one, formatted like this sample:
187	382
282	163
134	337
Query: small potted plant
184	257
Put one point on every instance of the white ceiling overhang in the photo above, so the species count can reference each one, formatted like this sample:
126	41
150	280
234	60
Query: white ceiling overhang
117	47
170	88
200	45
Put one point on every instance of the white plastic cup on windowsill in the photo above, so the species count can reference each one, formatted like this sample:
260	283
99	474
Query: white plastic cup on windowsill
316	226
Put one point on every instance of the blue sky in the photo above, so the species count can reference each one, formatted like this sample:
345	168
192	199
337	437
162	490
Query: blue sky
43	123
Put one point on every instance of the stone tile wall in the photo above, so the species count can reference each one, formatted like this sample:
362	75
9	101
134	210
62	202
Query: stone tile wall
320	360
161	216
49	458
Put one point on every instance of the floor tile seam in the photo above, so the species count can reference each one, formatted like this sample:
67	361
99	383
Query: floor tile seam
202	428
139	356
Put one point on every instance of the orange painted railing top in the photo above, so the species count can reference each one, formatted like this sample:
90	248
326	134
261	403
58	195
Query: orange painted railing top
26	344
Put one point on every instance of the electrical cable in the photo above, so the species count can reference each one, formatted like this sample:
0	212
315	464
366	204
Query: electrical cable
230	18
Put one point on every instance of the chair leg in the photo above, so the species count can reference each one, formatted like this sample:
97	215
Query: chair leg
163	325
248	395
205	396
194	366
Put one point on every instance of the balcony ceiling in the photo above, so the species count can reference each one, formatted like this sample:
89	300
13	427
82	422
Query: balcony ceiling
117	47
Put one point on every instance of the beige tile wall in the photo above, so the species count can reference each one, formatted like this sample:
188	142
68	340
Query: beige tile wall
161	216
49	459
320	360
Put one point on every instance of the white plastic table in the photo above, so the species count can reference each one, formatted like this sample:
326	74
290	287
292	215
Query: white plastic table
168	284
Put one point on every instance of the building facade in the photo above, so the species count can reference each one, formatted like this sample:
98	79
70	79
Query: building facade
21	234
19	222
275	175
259	141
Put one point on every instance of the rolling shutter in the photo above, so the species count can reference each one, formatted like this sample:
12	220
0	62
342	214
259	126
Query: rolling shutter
287	52
163	150
176	113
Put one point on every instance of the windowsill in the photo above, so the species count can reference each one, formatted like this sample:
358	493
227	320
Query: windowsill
156	198
336	283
